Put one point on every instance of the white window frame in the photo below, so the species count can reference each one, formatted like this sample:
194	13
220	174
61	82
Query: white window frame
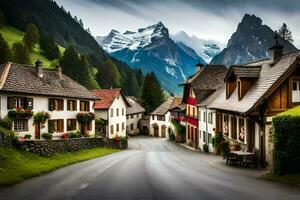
296	93
21	125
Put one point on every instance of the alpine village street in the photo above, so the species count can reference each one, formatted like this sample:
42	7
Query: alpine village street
151	168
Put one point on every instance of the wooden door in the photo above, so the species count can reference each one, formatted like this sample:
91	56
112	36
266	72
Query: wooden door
155	131
163	131
251	136
37	130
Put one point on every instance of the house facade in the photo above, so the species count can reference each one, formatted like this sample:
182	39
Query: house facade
197	88
27	90
254	93
111	108
134	114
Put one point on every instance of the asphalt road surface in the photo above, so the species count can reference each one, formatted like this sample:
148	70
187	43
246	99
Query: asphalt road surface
151	168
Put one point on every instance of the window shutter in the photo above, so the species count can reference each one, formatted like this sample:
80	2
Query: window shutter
29	103
75	105
61	104
51	104
50	126
68	104
10	103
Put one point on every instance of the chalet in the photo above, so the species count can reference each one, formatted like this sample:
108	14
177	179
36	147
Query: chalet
253	93
134	114
111	108
160	118
26	90
204	83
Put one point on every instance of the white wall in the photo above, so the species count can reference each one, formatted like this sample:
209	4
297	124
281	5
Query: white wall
40	104
136	118
210	127
166	122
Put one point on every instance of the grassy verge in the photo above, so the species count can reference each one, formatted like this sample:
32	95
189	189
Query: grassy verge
18	165
290	179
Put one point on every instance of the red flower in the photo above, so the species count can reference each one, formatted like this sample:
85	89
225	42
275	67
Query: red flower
65	136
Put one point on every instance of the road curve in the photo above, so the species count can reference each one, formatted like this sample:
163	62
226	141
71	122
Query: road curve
151	168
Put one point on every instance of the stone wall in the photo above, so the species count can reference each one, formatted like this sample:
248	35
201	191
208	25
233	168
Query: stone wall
49	147
5	141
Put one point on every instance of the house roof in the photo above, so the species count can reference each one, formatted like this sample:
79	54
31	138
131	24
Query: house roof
206	101
23	79
243	71
164	107
270	75
135	107
107	97
176	102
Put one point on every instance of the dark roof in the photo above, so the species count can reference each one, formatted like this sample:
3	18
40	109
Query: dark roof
270	76
135	107
19	78
172	102
243	71
107	97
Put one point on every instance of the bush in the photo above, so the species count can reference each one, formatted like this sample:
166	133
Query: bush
47	136
74	135
6	122
287	143
123	140
7	132
85	117
205	148
41	117
27	136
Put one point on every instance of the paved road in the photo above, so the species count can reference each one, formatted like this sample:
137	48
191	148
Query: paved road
152	168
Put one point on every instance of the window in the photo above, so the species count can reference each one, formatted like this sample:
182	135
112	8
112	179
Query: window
296	91
199	115
131	116
20	125
199	133
72	105
56	104
71	124
23	102
112	129
152	117
233	128
210	117
137	115
123	113
204	116
123	126
117	112
127	116
19	102
242	129
117	129
161	118
131	127
204	136
84	105
56	126
111	112
194	112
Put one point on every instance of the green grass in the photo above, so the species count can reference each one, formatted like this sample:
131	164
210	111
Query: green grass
13	35
17	165
289	179
293	112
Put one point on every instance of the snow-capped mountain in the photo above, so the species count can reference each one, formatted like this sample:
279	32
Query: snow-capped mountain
152	49
250	42
206	49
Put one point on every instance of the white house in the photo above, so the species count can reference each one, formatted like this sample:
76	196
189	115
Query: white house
111	108
27	90
160	118
134	114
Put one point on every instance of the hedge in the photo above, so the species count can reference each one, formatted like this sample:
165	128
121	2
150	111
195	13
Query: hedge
287	142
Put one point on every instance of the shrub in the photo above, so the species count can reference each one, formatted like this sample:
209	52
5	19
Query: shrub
226	147
7	132
205	148
100	122
41	117
6	122
74	135
27	136
65	136
85	117
123	140
117	138
47	136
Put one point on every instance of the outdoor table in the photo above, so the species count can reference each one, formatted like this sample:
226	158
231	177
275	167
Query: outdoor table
242	155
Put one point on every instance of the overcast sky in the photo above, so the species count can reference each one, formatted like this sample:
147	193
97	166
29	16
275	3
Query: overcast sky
207	19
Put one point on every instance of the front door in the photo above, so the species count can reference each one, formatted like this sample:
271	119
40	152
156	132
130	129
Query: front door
156	131
163	131
37	128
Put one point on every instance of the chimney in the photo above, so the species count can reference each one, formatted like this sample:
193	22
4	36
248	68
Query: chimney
276	51
199	66
39	68
59	72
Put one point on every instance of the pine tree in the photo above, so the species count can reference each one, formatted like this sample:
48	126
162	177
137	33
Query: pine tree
130	86
4	50
108	76
49	47
70	63
20	53
139	76
32	36
285	33
85	72
80	23
151	94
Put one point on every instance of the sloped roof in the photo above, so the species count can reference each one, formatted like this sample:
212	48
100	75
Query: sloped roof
206	101
107	97
270	74
164	107
243	71
135	107
176	102
19	78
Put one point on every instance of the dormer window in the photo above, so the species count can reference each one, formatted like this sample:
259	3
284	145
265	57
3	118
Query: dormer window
296	91
230	86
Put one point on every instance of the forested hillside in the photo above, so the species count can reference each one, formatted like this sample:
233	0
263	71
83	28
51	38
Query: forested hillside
84	60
